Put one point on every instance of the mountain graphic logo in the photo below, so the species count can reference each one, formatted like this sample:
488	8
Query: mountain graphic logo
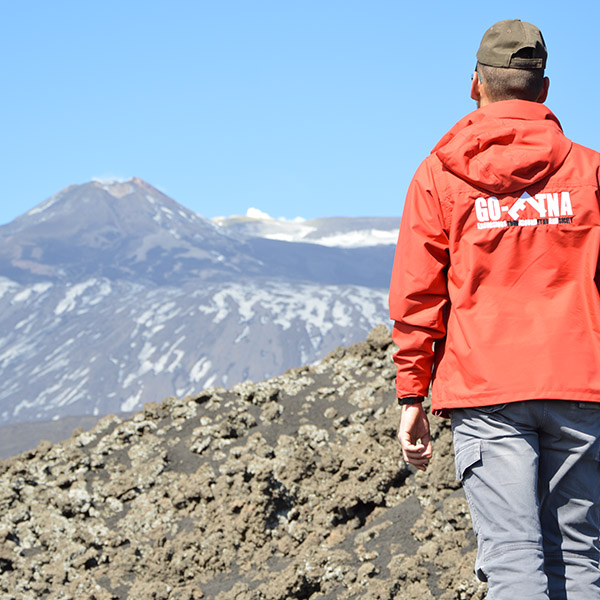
551	208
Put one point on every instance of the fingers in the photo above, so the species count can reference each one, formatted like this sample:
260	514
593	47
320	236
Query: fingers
421	447
420	462
417	451
420	465
418	454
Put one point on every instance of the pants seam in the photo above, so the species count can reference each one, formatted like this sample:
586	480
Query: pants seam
508	547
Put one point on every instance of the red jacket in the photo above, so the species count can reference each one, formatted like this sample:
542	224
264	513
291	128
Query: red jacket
497	262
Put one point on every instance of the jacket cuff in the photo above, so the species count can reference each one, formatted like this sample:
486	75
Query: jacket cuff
410	400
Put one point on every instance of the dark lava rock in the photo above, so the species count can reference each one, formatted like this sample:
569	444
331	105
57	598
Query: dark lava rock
293	488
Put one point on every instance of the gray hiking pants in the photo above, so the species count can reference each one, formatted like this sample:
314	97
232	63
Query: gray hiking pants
531	475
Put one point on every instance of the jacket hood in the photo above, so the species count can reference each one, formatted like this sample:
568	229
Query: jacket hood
504	146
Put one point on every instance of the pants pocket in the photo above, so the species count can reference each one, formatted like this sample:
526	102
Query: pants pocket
465	457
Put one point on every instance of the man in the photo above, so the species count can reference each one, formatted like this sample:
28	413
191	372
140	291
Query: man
495	299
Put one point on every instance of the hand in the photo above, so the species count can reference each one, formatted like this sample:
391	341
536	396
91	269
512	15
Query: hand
414	436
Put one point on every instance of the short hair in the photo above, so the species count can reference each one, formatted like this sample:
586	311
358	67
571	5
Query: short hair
511	84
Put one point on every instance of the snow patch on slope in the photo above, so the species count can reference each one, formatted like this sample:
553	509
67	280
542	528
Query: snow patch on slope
105	346
77	291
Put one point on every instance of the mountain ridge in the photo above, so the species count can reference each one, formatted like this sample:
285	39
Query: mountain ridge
130	230
125	230
112	294
341	232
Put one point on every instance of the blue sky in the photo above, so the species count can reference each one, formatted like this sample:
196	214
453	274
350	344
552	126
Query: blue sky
307	108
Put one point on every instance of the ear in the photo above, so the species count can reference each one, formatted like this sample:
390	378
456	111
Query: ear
475	84
544	93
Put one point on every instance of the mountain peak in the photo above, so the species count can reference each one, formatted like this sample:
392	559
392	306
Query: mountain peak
116	187
126	226
119	188
129	204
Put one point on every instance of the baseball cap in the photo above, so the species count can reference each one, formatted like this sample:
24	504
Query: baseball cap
502	41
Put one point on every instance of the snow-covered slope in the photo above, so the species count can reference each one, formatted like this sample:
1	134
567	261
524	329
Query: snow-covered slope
102	346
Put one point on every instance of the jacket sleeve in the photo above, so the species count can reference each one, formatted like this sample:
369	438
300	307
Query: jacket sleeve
418	297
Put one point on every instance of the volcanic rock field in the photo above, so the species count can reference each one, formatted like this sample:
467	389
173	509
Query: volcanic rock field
292	488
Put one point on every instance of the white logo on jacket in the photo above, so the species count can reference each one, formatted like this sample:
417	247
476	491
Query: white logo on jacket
542	209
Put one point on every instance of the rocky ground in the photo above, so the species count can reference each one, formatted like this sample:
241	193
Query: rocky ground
292	488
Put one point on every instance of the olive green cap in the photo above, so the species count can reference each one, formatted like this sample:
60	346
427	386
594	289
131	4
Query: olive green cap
502	41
